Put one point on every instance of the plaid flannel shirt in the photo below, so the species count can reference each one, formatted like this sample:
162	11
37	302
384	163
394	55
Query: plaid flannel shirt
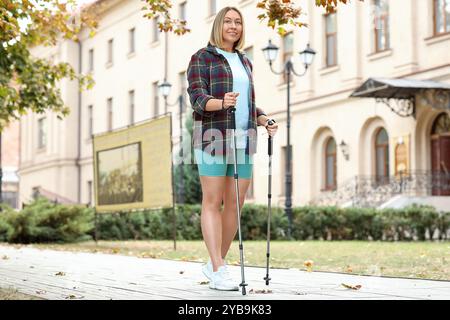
210	77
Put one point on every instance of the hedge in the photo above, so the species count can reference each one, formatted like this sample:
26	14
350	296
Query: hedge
43	221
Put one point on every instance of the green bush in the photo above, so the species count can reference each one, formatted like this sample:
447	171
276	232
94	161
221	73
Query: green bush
43	221
6	229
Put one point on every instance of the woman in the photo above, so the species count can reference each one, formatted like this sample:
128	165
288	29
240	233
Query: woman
220	77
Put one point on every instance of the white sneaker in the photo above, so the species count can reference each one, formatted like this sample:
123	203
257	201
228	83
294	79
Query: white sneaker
208	269
221	280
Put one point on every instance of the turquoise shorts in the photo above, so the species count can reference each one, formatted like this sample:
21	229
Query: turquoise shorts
218	166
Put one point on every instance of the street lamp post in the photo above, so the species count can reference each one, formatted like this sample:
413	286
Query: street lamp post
164	89
306	56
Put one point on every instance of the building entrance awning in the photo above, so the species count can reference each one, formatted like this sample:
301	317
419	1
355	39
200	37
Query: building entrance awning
400	94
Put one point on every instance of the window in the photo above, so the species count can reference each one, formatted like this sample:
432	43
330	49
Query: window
10	198
331	40
90	121
183	88
155	30
131	104
283	170
182	11
42	133
110	114
91	60
330	165
212	7
131	40
381	24
89	193
155	99
288	50
382	156
441	16
249	53
110	51
251	189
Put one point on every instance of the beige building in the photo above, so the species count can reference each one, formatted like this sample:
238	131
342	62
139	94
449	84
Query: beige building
345	150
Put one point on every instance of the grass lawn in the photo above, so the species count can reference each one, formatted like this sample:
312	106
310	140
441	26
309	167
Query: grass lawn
423	260
13	294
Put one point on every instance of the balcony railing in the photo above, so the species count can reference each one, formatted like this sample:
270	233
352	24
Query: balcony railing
372	191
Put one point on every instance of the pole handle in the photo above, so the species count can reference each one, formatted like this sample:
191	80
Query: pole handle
232	111
270	142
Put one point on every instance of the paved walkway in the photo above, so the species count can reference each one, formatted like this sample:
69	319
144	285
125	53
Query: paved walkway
67	275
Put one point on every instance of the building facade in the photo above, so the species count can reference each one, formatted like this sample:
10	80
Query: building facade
339	144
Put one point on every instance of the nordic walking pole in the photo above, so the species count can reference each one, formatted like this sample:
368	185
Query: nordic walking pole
269	202
236	183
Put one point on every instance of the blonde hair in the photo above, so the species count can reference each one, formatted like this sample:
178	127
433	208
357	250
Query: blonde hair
216	38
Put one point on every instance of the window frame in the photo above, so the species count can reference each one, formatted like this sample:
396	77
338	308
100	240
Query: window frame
385	146
443	16
334	156
329	35
385	23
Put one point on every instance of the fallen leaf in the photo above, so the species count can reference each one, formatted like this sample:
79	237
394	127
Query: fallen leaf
41	291
31	267
203	282
60	273
5	258
309	265
115	250
260	291
72	296
349	269
181	272
357	287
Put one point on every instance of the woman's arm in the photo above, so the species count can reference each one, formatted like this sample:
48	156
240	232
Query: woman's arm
198	90
214	105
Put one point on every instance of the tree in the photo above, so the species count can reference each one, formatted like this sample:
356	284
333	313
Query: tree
278	14
28	83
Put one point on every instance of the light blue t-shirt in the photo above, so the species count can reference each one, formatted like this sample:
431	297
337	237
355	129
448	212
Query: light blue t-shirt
241	84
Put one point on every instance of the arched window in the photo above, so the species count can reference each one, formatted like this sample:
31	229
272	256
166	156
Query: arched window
440	155
330	165
382	156
441	125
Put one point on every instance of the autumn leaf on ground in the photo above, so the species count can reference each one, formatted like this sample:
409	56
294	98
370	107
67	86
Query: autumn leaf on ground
181	272
72	296
60	273
115	250
357	287
309	265
147	255
203	282
41	292
5	258
260	291
349	269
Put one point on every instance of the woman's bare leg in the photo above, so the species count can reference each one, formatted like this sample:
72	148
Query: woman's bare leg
211	217
229	217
